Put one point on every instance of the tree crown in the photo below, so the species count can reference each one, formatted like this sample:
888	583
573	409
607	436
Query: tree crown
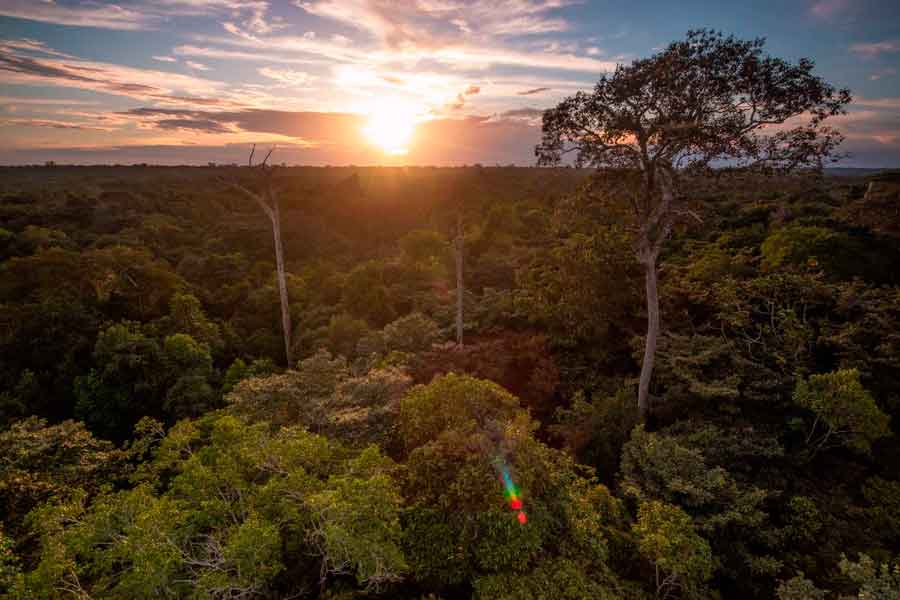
707	99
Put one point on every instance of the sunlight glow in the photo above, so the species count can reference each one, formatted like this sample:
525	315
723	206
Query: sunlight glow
391	126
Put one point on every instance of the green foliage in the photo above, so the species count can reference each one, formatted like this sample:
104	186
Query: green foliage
186	315
42	462
363	543
413	333
595	431
557	287
366	295
684	469
125	384
424	246
458	432
240	370
798	245
799	588
323	396
343	334
667	539
561	579
884	512
239	504
454	402
10	569
664	467
845	414
875	582
147	295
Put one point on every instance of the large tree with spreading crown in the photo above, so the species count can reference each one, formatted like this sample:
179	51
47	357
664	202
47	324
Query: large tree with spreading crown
705	104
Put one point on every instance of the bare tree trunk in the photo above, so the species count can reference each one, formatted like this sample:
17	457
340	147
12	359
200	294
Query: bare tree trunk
268	202
651	339
282	284
460	288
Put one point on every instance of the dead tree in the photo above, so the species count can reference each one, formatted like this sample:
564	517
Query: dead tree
268	201
459	248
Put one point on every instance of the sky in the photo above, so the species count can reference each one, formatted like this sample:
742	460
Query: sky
427	82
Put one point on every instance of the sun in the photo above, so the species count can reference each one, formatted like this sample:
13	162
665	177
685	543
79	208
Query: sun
390	126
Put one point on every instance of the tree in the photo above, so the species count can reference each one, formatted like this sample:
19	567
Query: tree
705	104
242	511
268	201
845	414
876	582
43	461
459	253
682	559
459	432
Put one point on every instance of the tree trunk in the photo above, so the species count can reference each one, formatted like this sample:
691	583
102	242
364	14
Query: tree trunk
652	336
460	289
282	284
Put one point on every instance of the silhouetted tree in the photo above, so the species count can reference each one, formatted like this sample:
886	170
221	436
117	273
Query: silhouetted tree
706	103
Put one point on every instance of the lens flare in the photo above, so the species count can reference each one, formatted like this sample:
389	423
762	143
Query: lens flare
511	492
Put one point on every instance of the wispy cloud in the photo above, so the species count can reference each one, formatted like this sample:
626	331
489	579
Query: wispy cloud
456	55
532	91
872	49
89	14
22	100
52	124
425	23
165	58
828	8
196	65
147	14
287	77
225	54
20	67
882	73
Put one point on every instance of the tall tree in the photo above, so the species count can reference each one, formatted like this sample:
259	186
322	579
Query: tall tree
268	201
458	249
705	104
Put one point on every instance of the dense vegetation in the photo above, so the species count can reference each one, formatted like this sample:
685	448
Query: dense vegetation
153	443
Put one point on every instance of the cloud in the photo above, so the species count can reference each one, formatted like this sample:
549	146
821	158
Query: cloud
828	8
219	53
460	100
314	127
456	54
141	15
533	91
31	47
882	73
165	58
426	23
45	101
52	124
287	77
88	14
196	66
872	49
883	103
145	84
193	125
523	112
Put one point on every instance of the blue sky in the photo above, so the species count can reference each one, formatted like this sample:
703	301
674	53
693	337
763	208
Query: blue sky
378	81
